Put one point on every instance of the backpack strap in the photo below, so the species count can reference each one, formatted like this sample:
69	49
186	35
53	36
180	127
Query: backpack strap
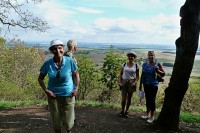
157	64
124	64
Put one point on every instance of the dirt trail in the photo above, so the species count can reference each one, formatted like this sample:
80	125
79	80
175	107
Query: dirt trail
36	119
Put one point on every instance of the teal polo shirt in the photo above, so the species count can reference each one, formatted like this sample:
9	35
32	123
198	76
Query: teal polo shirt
62	86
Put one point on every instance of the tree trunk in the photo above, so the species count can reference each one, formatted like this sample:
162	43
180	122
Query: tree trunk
186	47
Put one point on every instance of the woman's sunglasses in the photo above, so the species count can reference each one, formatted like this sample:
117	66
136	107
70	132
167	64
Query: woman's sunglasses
58	73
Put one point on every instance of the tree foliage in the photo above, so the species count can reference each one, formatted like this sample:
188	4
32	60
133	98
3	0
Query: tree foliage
111	66
19	67
13	14
88	75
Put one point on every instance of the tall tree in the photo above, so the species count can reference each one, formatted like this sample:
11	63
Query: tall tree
186	47
13	14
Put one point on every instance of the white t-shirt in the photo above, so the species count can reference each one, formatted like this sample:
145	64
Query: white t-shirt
129	72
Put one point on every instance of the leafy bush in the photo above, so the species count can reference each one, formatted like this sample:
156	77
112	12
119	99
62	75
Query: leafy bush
89	76
19	67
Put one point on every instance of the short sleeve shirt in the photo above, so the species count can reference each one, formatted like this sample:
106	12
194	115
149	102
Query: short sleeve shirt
62	86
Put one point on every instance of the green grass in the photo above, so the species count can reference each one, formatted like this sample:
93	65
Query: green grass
189	118
184	117
8	104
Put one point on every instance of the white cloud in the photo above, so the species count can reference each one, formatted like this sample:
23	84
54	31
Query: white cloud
87	10
55	13
158	29
60	19
65	22
162	21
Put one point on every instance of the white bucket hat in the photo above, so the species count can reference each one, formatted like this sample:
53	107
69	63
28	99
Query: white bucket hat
132	53
56	42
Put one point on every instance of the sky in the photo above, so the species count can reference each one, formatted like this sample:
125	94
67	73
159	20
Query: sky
107	21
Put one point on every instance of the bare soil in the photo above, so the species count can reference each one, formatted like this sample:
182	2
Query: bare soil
36	119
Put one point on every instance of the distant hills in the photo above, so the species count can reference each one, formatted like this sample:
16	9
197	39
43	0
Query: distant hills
107	45
123	46
169	52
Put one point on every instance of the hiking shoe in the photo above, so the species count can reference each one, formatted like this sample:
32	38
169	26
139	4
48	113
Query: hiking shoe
144	116
150	120
126	114
121	113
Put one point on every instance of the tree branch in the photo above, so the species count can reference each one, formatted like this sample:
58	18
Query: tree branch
11	14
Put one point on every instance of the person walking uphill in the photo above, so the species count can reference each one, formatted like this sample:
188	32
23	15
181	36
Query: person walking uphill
149	80
60	90
129	75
